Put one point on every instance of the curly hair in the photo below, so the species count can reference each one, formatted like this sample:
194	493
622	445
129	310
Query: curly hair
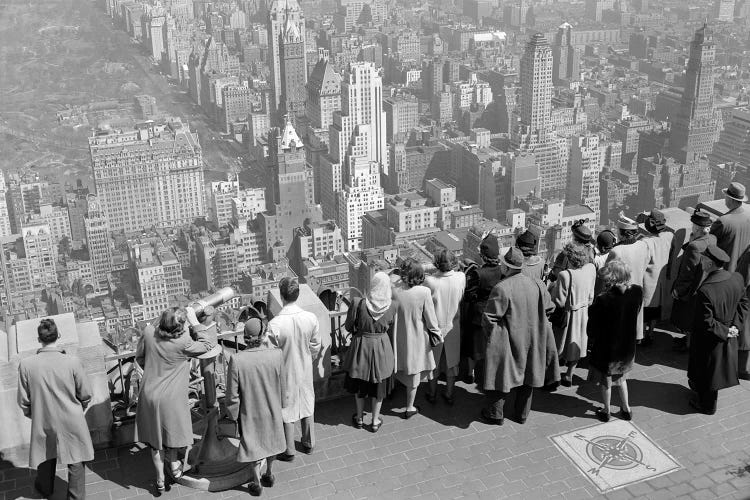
411	272
172	323
445	260
576	254
616	272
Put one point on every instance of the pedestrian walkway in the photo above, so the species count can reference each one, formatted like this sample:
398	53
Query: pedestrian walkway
446	453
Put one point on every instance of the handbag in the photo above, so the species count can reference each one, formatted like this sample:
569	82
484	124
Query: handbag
560	316
434	338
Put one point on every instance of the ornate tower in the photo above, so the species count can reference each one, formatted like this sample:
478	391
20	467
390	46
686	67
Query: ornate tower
282	13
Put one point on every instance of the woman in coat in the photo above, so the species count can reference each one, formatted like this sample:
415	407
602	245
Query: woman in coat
447	287
656	285
574	292
254	399
633	251
612	329
162	419
369	361
415	323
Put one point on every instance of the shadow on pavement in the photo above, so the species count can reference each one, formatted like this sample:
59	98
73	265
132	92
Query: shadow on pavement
662	396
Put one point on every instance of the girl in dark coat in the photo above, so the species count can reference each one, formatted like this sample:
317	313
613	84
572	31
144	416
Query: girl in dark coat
612	329
369	362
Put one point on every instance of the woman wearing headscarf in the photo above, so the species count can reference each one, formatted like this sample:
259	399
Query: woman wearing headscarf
369	363
162	420
416	323
447	286
573	292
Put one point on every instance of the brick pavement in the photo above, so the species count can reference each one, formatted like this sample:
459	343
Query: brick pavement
446	453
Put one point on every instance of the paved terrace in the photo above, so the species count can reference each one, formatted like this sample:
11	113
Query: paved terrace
446	453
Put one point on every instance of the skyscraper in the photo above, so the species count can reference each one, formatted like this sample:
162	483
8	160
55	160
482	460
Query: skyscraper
4	216
292	70
323	93
565	64
536	87
584	169
282	15
98	241
290	192
150	176
694	128
362	193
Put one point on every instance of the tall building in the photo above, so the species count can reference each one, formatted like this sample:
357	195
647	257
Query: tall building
40	250
565	63
402	116
694	127
150	176
282	15
535	106
98	241
594	9
157	274
292	70
734	141
4	215
724	10
221	195
362	193
290	192
584	170
323	94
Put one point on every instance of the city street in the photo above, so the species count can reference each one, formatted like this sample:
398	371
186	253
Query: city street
447	453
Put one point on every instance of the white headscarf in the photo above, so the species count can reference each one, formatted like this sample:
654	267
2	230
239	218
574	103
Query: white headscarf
378	298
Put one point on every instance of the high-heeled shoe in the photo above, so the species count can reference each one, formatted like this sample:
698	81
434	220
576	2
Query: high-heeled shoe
357	422
375	426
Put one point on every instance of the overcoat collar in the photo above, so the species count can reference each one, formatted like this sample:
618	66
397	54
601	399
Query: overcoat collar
51	348
717	276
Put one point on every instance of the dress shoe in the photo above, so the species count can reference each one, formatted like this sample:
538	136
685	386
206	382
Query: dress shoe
625	415
602	415
487	419
285	457
699	408
306	449
410	413
255	489
267	480
744	376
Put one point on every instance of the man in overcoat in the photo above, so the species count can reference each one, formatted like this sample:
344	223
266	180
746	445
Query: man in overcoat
54	391
721	309
521	352
297	332
254	399
479	284
690	274
732	230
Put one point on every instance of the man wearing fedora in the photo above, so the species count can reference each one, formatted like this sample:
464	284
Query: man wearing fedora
721	309
732	230
520	352
690	275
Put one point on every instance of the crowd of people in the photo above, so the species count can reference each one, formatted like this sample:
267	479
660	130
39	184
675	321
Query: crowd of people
512	323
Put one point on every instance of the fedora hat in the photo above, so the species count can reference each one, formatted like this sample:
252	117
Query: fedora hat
513	258
700	218
736	191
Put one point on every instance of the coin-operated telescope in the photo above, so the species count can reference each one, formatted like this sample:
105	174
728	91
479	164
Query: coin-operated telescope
212	461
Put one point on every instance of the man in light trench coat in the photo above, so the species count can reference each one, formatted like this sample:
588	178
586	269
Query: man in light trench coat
54	390
297	332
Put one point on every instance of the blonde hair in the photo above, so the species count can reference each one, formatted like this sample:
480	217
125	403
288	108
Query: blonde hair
616	272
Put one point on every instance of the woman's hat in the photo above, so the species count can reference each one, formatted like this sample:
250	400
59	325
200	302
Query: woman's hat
606	239
717	255
736	191
626	223
513	258
700	218
253	328
655	221
527	239
489	247
581	232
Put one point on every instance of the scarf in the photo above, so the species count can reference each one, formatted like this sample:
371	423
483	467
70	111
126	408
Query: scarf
378	298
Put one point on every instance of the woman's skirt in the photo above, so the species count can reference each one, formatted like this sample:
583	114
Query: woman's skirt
600	378
370	358
364	389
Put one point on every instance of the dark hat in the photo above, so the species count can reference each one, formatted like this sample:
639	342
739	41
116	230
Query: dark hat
489	247
700	218
606	239
736	191
717	255
656	222
253	328
581	232
513	258
527	239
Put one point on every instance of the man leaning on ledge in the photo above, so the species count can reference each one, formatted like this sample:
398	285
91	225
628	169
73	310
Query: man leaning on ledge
53	391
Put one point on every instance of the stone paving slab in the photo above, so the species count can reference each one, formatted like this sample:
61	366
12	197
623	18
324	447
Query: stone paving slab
446	453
